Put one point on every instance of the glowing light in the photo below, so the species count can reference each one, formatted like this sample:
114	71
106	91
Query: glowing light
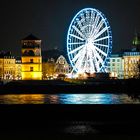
32	75
89	41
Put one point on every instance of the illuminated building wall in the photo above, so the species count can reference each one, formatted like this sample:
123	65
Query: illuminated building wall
31	58
131	61
136	42
61	66
1	68
48	69
9	67
18	70
116	66
52	69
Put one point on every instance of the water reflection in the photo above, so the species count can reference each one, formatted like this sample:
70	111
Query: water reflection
80	128
67	99
22	99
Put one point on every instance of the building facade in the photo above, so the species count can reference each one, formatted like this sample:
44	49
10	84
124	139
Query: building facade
48	69
7	66
116	66
61	66
55	68
18	75
31	58
131	62
1	68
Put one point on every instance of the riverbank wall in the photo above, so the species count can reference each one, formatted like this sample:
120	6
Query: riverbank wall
59	86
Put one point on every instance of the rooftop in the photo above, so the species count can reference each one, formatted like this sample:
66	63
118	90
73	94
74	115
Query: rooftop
31	37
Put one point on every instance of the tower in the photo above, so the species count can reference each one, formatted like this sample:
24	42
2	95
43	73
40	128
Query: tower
31	58
136	42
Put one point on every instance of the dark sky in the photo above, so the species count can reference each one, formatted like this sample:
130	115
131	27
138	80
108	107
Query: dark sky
49	20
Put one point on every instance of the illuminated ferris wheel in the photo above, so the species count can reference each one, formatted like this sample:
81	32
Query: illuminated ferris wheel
89	41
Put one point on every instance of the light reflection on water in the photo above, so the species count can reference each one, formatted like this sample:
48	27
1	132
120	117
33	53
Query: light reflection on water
67	99
81	128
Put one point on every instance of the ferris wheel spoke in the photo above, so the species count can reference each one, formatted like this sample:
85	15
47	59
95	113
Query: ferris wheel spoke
78	31
75	43
78	65
79	62
87	16
102	38
96	21
80	25
95	24
99	57
77	56
76	37
77	49
103	53
85	65
95	56
98	27
92	16
96	64
101	32
91	63
83	19
97	44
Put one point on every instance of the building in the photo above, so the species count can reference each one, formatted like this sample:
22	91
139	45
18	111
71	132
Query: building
1	67
61	66
125	65
7	66
132	59
31	58
55	68
18	75
116	66
48	69
131	62
136	42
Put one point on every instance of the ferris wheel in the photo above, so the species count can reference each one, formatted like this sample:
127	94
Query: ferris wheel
89	41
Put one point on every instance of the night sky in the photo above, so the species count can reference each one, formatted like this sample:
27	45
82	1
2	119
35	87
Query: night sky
49	20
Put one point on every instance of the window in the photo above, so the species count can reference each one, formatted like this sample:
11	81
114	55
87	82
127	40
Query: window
113	64
31	60
31	69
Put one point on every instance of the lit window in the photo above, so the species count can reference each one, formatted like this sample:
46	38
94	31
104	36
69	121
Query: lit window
31	60
113	64
31	69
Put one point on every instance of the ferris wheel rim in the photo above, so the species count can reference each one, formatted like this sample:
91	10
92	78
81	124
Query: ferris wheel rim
108	30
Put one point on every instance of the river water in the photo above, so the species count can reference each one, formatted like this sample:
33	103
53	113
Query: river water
63	98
